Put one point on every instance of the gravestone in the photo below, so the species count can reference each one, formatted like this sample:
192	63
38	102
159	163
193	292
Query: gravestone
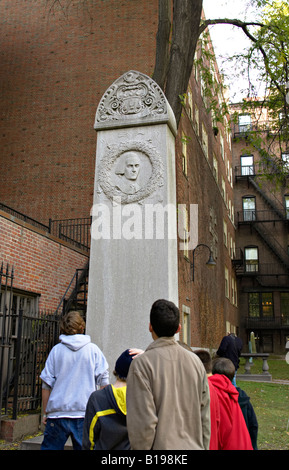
133	255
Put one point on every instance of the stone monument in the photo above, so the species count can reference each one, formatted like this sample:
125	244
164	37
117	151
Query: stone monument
133	256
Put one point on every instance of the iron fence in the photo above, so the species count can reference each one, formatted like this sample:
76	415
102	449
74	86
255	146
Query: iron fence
25	342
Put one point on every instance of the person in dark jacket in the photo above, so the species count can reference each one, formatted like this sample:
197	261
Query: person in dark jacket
105	417
249	415
231	347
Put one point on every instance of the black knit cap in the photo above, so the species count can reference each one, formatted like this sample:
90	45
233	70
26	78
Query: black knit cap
122	364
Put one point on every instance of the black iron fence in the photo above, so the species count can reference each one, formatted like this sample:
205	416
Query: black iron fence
25	342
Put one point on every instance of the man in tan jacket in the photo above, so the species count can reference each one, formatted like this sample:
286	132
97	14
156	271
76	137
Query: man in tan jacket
168	399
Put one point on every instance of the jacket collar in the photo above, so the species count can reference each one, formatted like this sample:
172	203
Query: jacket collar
162	341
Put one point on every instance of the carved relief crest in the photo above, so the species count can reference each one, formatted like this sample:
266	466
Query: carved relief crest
133	95
130	171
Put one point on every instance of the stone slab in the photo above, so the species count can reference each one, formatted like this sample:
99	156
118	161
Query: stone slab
35	443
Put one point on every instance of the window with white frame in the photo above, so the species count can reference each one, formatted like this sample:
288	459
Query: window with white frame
227	287
184	155
205	141
186	326
215	167
285	160
247	165
244	121
251	259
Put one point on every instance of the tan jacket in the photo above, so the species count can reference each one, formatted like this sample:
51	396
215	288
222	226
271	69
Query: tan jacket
168	399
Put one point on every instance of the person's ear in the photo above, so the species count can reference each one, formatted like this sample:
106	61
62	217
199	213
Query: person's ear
179	328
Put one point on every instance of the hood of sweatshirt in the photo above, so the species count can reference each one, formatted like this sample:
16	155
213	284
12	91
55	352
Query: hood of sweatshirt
117	398
74	342
224	384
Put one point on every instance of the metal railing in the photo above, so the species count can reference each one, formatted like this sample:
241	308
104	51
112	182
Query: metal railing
261	269
269	215
73	231
266	322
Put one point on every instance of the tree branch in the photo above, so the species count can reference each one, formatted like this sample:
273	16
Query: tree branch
244	26
234	22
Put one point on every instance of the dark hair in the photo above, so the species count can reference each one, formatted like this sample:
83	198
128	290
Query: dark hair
224	366
72	323
206	359
164	318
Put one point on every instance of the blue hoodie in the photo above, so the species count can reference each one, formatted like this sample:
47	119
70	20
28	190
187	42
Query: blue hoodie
73	370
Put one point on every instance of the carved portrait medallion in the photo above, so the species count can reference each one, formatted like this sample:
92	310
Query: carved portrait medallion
131	171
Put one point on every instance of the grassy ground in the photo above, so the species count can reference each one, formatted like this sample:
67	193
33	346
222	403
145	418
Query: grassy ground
271	404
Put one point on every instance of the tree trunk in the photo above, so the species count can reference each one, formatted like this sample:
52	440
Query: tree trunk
163	42
186	28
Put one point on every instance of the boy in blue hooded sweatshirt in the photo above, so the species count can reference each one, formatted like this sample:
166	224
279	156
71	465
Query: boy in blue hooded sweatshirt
74	369
105	418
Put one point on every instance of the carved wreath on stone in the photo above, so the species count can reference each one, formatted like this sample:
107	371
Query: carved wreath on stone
152	180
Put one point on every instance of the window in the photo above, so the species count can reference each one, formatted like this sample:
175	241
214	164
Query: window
234	292
197	119
245	123
226	282
225	229
215	168
205	141
261	304
186	325
251	259
247	165
287	205
190	104
285	160
285	308
249	208
186	231
223	189
184	155
222	147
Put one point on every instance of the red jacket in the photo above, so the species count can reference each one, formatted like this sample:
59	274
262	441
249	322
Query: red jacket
215	417
233	432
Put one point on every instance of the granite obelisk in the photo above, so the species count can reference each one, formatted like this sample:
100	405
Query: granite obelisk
133	256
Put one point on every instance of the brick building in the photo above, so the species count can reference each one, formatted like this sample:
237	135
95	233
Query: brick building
262	240
54	70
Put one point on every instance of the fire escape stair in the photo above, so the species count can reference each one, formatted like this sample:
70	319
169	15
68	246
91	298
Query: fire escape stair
77	298
276	206
272	244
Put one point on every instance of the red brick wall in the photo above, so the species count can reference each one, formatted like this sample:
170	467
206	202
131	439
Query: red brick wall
41	265
209	307
54	68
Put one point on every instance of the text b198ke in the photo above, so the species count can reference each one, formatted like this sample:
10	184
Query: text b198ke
169	459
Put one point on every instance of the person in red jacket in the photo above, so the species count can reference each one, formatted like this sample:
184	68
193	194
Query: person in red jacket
233	432
214	400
